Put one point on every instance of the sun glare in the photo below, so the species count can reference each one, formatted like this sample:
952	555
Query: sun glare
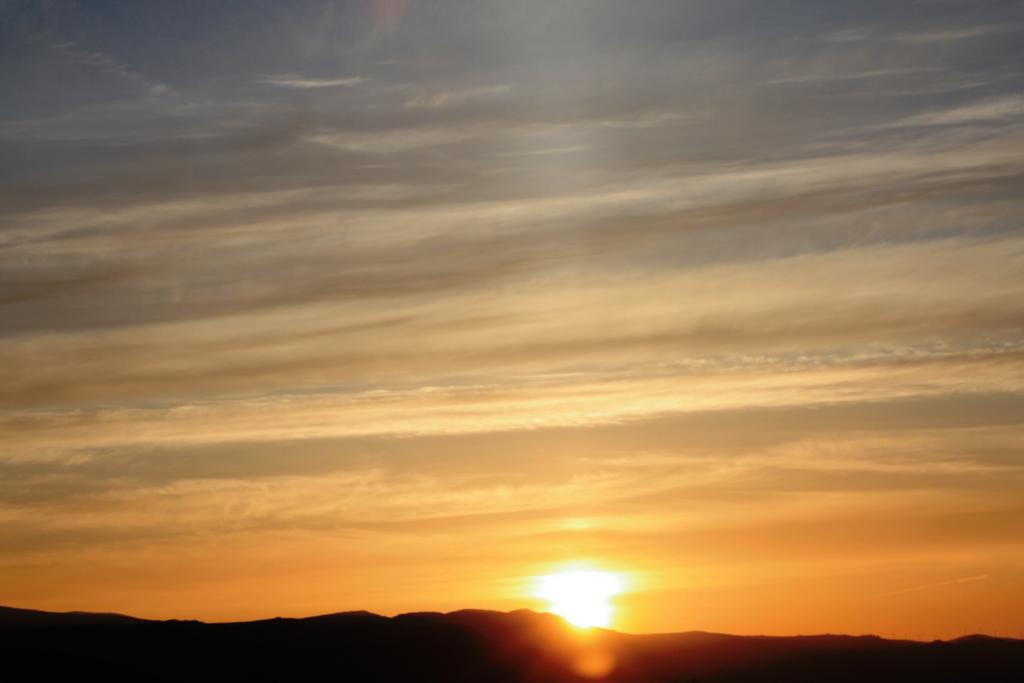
582	596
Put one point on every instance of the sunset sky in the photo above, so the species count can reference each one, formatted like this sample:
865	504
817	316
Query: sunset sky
326	305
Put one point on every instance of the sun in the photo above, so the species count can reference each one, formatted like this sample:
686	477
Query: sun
581	596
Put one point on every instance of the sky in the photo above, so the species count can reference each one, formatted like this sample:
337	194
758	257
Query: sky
400	304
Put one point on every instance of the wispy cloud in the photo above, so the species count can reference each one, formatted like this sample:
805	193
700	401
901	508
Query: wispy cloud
996	109
950	35
307	83
443	98
922	37
490	409
103	63
852	76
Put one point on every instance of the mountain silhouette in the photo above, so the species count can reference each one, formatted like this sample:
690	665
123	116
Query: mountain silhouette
470	646
33	618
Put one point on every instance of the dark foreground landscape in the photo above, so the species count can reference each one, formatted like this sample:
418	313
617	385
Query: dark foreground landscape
470	645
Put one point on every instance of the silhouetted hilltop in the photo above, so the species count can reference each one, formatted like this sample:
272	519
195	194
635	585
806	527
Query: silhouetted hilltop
475	646
26	618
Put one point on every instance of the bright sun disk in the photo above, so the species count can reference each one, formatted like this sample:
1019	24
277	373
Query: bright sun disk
581	596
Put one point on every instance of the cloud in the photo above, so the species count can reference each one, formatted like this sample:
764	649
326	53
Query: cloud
443	98
949	35
999	109
306	83
410	138
789	477
872	74
488	409
920	37
104	63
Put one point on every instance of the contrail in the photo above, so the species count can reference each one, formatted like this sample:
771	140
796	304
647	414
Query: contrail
951	582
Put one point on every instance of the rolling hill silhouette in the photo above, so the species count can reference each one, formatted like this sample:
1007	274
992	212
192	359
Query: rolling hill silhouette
466	646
